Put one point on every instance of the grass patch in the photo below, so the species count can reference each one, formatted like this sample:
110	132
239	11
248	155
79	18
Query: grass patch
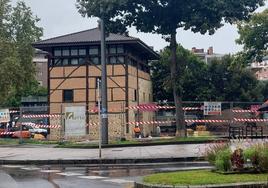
202	177
138	142
10	141
70	144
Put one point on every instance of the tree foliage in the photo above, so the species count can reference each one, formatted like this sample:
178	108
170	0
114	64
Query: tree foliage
221	80
254	36
17	32
194	78
165	17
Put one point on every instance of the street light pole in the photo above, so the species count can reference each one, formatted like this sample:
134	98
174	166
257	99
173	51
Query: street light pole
104	106
99	114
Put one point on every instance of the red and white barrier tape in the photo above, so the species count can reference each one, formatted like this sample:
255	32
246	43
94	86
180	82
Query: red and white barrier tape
244	111
150	108
42	116
13	111
93	124
41	125
150	122
206	121
251	120
47	126
6	133
161	107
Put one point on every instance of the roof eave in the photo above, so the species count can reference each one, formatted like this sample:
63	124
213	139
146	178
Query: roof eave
150	51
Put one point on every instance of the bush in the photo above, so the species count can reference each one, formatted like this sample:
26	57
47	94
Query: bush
223	160
221	156
258	157
213	150
237	159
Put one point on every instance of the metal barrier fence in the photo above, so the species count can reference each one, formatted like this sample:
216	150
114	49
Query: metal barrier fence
80	122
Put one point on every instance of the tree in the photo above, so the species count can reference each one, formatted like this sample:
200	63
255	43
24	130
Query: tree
254	36
17	33
165	17
193	80
221	80
230	81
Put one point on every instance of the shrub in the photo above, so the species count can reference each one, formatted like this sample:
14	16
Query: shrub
258	156
212	151
237	159
223	160
264	160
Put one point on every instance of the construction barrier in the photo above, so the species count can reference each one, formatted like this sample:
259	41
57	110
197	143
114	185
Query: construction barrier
6	133
42	116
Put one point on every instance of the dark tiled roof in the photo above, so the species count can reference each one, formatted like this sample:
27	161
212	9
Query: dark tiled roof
87	36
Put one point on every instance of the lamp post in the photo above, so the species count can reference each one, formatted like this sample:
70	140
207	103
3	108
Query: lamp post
104	106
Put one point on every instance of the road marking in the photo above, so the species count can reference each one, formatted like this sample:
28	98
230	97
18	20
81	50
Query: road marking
91	177
118	181
50	171
13	166
30	168
69	174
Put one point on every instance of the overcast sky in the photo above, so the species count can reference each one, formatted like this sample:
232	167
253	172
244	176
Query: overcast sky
59	17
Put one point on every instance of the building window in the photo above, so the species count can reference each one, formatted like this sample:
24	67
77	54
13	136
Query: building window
57	52
94	51
116	49
113	49
135	95
95	60
68	95
65	52
65	62
74	61
121	60
113	60
57	62
120	49
82	52
74	52
82	61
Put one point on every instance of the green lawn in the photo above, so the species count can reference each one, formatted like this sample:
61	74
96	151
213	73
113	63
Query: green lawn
202	177
138	142
70	144
9	141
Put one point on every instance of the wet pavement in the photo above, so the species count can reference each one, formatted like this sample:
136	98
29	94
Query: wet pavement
149	152
108	176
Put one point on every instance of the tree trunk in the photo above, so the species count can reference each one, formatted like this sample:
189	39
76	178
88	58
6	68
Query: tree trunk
174	67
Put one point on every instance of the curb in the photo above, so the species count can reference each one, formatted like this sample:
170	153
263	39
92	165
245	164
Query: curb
143	144
232	185
99	161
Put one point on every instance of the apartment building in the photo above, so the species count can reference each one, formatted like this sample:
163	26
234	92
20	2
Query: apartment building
207	56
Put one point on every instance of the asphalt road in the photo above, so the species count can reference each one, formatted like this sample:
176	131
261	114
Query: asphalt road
109	176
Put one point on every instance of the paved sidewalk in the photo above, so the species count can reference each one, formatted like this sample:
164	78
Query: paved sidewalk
142	154
11	154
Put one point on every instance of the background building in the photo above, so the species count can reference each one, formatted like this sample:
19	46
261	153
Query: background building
207	56
260	69
75	66
40	61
